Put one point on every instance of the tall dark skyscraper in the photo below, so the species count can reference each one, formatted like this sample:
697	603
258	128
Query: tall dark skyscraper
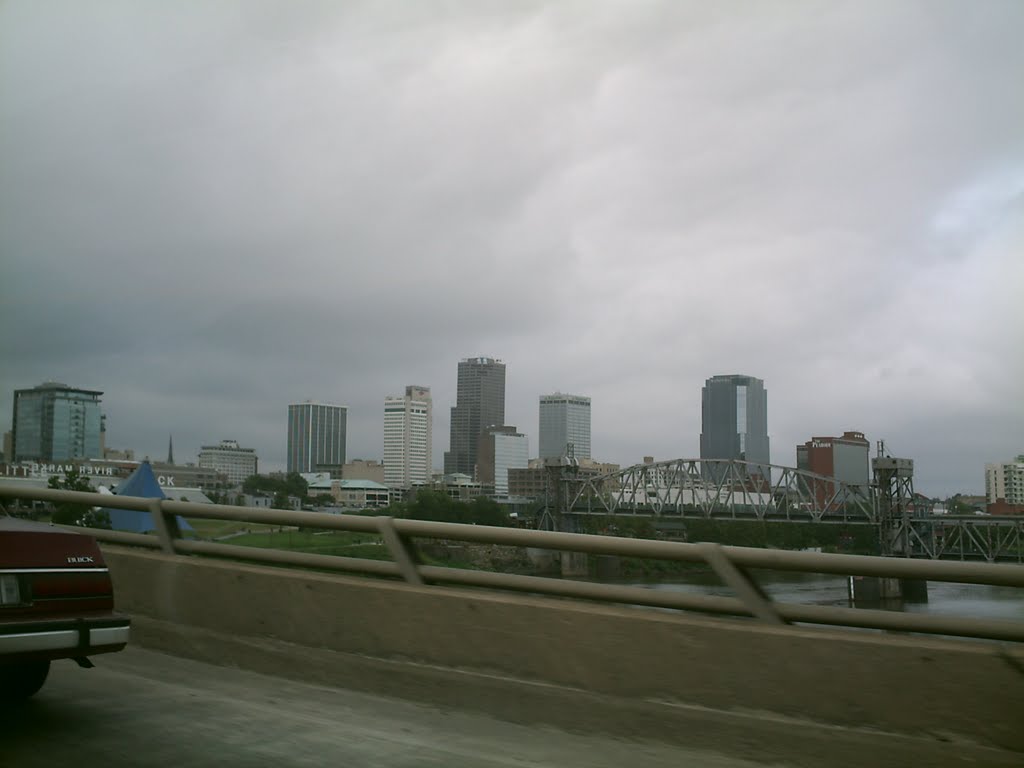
479	403
734	420
316	437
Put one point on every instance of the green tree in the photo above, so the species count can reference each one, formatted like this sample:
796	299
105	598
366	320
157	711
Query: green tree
440	507
295	485
77	514
485	511
280	488
957	506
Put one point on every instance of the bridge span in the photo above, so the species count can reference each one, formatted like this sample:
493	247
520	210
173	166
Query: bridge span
720	489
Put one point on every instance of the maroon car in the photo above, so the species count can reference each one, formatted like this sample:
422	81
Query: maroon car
56	602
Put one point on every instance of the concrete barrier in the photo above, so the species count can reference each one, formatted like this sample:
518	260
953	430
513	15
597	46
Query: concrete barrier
464	647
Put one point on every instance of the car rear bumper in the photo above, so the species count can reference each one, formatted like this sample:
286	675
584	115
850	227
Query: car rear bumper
63	638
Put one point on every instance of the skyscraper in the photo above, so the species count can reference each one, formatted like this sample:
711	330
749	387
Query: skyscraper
408	437
501	448
54	422
479	403
734	420
564	421
316	437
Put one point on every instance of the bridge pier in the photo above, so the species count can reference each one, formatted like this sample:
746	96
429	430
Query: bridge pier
866	591
575	564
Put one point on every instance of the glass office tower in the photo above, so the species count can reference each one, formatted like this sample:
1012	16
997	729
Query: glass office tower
55	422
734	421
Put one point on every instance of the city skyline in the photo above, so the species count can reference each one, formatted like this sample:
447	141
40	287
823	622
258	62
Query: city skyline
417	409
616	199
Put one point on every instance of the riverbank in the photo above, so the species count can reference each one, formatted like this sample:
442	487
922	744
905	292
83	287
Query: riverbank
506	559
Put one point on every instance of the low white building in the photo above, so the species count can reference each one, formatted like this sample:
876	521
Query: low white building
359	494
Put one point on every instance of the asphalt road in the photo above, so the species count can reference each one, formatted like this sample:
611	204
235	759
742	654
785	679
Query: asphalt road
140	708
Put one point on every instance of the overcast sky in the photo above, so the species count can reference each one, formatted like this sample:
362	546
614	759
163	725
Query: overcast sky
211	209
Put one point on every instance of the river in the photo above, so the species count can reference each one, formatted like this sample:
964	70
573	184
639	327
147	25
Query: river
967	600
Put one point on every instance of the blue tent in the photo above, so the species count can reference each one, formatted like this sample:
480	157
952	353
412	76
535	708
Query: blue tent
140	483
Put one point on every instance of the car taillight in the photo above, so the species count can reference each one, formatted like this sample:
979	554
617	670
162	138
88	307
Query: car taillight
10	591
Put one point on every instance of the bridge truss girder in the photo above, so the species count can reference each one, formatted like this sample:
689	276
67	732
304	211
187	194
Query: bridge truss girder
720	488
991	538
738	490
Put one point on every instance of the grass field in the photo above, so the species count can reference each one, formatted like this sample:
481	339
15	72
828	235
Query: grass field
215	529
344	543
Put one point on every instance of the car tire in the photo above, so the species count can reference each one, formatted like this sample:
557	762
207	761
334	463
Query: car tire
20	681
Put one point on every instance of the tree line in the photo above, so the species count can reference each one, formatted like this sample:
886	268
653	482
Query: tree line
280	487
442	508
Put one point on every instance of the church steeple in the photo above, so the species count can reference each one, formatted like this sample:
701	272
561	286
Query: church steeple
170	449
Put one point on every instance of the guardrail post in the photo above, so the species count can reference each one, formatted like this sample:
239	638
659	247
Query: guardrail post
747	590
166	530
402	550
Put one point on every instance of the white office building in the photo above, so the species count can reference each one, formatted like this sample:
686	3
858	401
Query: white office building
564	421
408	438
1005	481
231	460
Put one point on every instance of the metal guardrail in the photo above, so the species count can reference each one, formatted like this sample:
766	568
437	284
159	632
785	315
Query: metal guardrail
731	564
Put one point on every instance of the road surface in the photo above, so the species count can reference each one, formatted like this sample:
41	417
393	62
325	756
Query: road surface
141	708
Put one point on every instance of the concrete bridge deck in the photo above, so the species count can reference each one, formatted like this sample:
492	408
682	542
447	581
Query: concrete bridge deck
494	679
523	657
142	708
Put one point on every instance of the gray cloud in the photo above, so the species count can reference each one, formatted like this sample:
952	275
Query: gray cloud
209	211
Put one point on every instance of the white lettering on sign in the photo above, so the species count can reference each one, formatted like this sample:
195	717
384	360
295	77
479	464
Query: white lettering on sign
47	470
821	444
165	479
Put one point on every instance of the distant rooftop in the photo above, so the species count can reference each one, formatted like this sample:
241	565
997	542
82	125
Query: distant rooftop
53	386
348	485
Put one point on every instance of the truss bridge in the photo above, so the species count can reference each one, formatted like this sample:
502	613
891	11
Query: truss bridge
723	489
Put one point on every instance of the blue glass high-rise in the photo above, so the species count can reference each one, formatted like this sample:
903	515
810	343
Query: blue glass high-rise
734	423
